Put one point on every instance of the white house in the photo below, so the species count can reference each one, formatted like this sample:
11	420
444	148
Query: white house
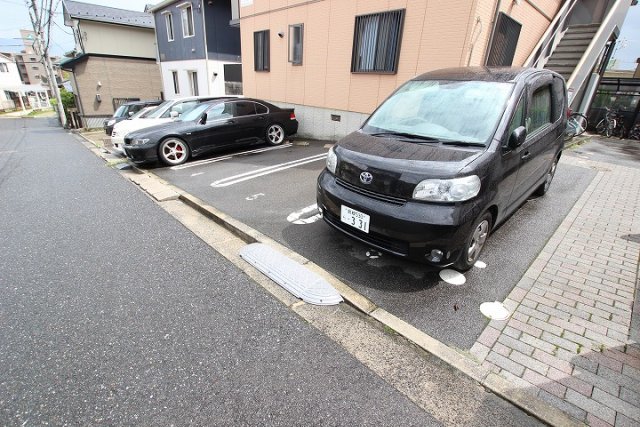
15	94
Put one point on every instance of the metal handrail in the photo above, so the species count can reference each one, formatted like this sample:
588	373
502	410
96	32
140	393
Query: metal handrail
548	41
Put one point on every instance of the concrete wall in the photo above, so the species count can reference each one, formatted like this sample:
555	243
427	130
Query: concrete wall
436	34
210	77
121	40
119	78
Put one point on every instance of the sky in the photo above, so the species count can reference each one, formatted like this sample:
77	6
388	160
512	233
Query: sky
627	50
14	16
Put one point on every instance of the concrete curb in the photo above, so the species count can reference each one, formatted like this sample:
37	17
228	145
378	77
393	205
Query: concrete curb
468	366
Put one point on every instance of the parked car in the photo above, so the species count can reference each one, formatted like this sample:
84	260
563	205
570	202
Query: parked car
166	112
126	111
211	126
447	157
142	114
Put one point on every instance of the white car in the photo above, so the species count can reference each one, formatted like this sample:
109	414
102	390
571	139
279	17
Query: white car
165	112
139	115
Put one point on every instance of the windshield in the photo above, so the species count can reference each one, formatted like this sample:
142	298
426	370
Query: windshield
120	112
194	113
143	113
161	109
465	111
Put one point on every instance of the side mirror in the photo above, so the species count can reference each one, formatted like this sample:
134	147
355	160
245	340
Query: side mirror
174	114
517	137
131	113
203	119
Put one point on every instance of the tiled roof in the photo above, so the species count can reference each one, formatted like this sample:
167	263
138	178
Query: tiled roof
111	15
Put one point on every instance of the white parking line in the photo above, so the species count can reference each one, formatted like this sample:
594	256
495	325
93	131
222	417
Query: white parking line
266	171
297	217
218	159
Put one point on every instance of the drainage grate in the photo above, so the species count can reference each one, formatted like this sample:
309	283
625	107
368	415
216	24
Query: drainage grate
292	276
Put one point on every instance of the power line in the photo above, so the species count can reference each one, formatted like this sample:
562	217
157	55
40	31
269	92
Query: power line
61	28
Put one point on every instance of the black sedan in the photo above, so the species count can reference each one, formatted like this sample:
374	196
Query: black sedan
214	125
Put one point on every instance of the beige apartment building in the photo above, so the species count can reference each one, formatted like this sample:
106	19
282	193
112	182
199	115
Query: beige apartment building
334	61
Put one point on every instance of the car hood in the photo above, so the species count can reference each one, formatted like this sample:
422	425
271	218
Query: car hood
160	130
124	127
396	167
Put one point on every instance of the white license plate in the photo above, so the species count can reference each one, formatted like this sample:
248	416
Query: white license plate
354	218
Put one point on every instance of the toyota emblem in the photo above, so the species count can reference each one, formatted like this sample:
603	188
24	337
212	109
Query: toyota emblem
366	178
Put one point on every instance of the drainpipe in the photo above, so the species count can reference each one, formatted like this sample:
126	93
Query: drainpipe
206	46
493	31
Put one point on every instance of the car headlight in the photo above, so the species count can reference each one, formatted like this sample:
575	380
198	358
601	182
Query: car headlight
111	122
447	190
139	141
332	161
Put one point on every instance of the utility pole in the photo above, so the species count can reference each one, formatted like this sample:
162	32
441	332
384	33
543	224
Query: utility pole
44	53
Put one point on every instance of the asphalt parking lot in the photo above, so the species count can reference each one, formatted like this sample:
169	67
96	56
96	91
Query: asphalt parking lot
272	189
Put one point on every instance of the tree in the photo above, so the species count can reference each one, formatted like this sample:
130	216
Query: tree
68	101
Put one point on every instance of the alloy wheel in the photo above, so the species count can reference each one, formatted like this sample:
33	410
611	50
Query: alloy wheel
477	241
174	151
275	135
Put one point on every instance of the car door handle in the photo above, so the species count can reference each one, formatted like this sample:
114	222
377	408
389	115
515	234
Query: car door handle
230	122
526	155
259	118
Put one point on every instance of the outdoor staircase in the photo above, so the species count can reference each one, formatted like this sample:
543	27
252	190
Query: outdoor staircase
571	48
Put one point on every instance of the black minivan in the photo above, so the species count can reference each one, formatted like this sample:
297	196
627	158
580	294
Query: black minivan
445	158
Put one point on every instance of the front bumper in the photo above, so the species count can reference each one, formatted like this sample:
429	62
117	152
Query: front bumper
408	229
141	153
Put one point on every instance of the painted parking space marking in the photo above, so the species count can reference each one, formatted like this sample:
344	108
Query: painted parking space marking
197	174
480	264
494	310
254	196
452	277
300	217
227	157
266	171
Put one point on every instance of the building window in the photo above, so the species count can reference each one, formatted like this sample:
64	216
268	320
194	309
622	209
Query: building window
233	79
504	42
376	42
295	43
176	84
193	83
187	20
169	21
4	68
261	50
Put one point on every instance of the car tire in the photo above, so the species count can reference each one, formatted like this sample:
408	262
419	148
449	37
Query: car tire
275	134
474	243
173	151
542	190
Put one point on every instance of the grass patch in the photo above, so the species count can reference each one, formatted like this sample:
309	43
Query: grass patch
114	163
389	330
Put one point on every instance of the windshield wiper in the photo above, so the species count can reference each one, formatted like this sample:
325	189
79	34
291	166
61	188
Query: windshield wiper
408	136
464	143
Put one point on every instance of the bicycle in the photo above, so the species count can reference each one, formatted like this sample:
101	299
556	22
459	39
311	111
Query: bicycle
576	125
607	124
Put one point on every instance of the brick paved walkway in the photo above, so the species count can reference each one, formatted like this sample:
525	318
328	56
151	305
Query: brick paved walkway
569	339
